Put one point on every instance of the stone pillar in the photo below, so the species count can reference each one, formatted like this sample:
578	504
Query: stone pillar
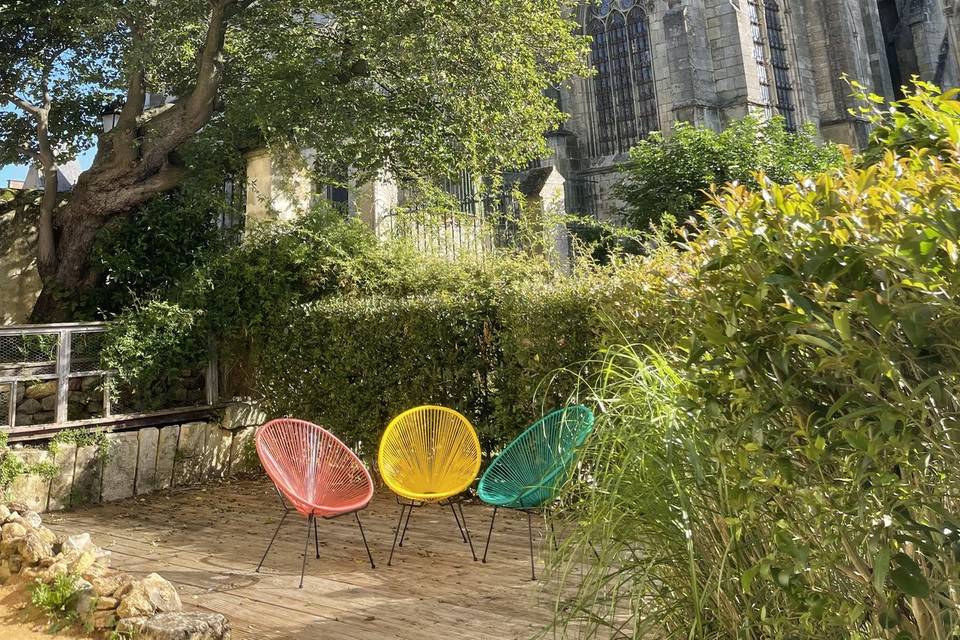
692	87
374	201
836	32
545	190
276	190
951	11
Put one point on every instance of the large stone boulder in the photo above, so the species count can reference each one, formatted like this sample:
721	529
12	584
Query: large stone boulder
150	595
12	531
178	626
34	549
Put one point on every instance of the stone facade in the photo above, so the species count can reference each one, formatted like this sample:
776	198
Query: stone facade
658	62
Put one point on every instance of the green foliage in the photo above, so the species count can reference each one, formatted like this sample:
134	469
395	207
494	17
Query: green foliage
668	177
81	438
151	345
417	87
925	118
792	472
149	252
57	599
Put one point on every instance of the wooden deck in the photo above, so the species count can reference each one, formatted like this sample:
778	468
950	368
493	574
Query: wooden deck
208	541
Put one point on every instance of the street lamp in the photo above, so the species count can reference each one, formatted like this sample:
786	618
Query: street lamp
110	115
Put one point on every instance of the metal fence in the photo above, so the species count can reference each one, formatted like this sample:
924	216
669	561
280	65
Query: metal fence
51	378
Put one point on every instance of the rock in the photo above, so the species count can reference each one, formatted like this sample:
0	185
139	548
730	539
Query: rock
147	460
29	574
61	485
33	519
5	572
111	583
190	462
130	627
79	542
49	403
43	417
120	468
12	531
106	602
33	548
16	563
9	547
32	490
41	390
87	474
29	406
184	626
147	596
4	512
104	619
166	456
14	517
46	535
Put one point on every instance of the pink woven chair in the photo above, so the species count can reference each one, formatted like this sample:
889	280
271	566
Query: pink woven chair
318	474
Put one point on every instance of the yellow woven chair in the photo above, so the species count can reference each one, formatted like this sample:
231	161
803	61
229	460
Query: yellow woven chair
429	454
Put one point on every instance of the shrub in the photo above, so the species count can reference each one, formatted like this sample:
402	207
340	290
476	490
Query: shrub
668	177
796	476
57	600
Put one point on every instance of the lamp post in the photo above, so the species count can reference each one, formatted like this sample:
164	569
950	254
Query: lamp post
110	116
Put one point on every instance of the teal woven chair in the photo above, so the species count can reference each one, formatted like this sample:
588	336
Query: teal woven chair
530	471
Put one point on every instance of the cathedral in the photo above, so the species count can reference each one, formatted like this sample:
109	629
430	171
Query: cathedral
708	62
657	62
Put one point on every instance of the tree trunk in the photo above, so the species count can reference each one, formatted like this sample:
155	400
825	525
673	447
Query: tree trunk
132	165
72	276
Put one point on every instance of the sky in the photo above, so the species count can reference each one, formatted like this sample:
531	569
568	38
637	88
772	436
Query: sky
19	172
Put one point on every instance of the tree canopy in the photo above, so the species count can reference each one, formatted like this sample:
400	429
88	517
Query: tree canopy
671	175
422	87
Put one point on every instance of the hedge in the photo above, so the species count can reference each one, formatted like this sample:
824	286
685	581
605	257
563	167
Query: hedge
352	363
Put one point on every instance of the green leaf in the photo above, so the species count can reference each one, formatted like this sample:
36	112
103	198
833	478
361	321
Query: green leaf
908	577
841	320
881	566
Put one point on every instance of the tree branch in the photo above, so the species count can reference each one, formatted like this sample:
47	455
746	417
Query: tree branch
174	126
17	101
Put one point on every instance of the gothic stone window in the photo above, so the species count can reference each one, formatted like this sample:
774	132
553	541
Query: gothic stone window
773	58
623	87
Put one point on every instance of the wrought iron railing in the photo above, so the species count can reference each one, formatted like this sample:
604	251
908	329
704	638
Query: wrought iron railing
52	378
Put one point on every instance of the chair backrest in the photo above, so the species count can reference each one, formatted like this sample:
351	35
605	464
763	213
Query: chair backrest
530	471
311	467
429	450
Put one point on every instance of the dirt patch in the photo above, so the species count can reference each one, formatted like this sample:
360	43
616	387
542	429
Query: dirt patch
21	621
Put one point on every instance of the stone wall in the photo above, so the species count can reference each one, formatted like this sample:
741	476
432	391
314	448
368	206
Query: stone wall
139	462
19	279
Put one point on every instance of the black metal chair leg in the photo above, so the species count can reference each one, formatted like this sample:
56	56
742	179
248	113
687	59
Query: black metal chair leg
457	518
533	570
467	531
306	545
489	534
316	540
369	555
405	525
272	539
396	534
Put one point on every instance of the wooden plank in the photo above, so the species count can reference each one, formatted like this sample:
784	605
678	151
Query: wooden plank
207	541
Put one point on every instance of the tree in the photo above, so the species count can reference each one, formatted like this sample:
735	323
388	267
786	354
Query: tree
670	176
415	87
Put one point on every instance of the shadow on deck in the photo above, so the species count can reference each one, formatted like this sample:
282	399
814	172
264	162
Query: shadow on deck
207	541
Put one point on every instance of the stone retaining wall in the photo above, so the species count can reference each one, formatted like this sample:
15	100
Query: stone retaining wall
139	462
